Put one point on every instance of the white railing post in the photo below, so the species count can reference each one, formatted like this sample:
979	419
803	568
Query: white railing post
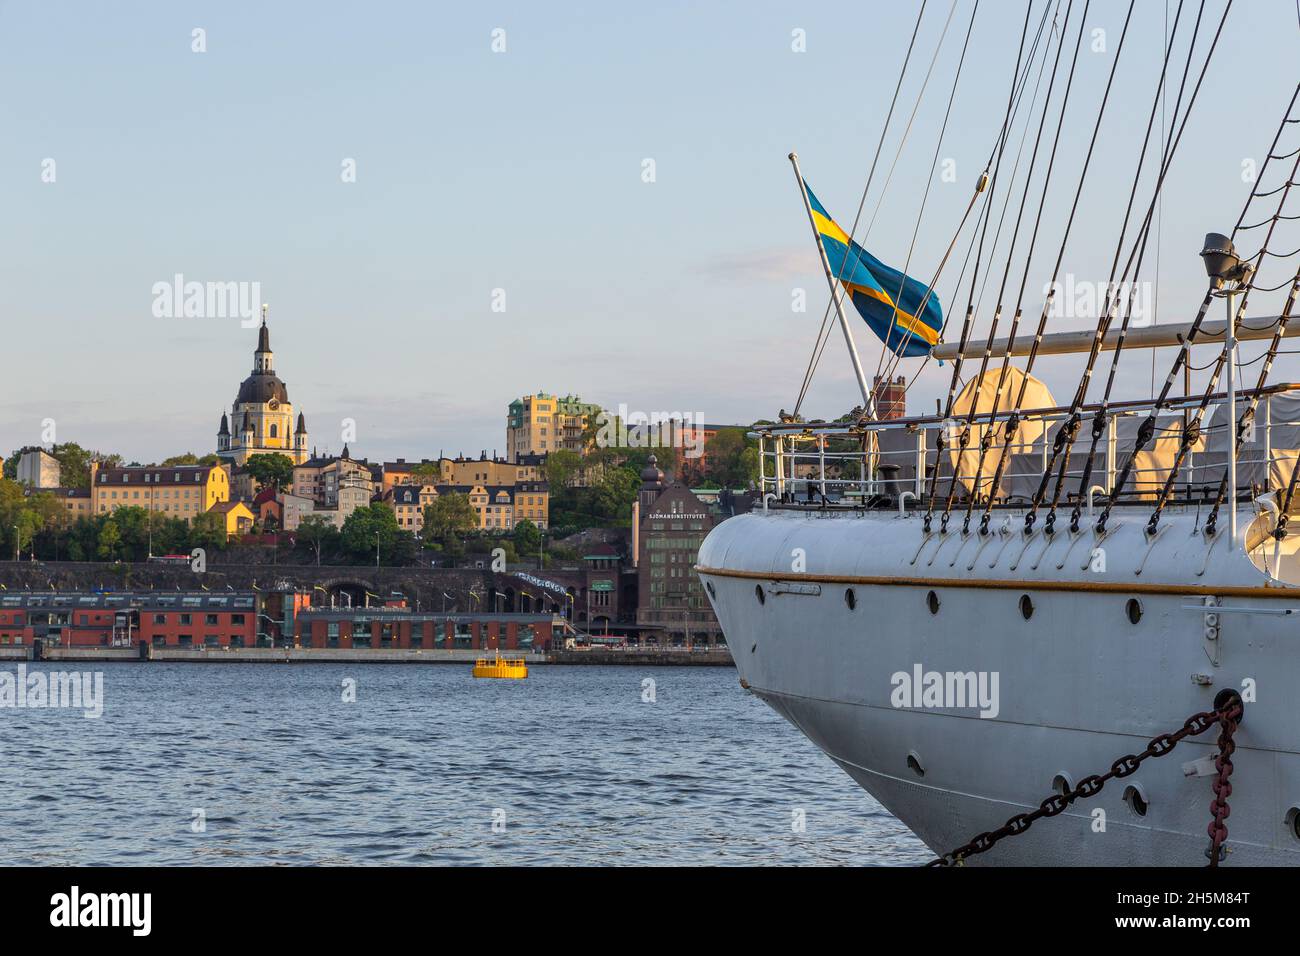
919	484
780	466
1268	441
821	464
1112	446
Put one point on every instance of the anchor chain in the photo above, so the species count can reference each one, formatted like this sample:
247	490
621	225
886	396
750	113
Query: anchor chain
1219	809
1227	716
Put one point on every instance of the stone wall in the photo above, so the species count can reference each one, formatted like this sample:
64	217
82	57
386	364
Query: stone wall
425	585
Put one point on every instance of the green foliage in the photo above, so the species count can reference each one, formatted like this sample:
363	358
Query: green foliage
110	541
427	473
127	534
447	518
607	503
74	464
271	469
208	531
527	536
189	458
376	525
561	468
733	459
317	534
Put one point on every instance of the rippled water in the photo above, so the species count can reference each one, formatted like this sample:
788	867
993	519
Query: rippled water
413	771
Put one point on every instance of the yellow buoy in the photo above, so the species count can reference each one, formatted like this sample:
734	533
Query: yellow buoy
501	667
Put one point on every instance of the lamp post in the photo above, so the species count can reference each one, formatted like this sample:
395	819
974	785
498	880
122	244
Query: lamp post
1228	273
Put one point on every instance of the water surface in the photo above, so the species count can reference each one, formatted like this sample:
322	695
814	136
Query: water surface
572	764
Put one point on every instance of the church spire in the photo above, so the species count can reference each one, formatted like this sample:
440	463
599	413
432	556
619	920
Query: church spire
263	359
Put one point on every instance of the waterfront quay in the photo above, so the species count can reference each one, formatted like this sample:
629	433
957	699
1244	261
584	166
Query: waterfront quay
635	657
284	627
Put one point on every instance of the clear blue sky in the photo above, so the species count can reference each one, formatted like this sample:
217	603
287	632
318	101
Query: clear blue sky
521	171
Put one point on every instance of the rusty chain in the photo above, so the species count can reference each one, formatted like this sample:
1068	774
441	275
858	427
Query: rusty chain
1219	810
1228	716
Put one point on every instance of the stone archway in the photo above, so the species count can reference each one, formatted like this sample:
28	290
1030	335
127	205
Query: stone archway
344	593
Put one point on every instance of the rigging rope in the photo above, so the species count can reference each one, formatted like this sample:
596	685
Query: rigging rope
1225	356
1248	416
986	436
1192	432
1013	421
929	183
994	161
812	367
963	439
1065	436
1015	171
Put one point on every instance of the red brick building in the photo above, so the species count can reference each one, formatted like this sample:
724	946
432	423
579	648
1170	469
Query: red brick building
391	627
162	619
891	398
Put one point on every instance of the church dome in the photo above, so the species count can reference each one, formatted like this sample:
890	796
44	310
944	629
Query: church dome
261	387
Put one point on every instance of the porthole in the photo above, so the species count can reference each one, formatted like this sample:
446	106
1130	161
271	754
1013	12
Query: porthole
850	598
1026	607
1136	801
932	602
1134	610
758	593
1293	821
914	764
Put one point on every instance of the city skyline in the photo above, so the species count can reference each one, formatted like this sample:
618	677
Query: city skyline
520	170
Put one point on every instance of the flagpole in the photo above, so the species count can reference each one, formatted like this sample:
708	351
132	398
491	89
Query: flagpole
868	402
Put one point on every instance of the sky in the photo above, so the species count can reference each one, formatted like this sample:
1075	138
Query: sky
588	198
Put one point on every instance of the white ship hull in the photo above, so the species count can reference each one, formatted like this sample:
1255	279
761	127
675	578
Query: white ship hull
1079	684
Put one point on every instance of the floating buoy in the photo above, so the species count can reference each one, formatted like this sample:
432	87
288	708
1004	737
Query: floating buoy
512	668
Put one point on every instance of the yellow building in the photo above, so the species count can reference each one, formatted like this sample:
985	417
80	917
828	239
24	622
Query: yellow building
238	517
262	416
76	501
462	471
408	503
540	424
501	507
179	491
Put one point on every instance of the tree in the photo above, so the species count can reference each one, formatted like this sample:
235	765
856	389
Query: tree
427	472
733	459
613	495
447	517
271	469
374	525
134	525
74	463
527	536
317	532
208	531
110	540
561	467
189	458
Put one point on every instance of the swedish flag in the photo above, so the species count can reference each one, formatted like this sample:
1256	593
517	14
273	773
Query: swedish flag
872	286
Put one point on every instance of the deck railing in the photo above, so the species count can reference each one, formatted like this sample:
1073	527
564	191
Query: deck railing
862	464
